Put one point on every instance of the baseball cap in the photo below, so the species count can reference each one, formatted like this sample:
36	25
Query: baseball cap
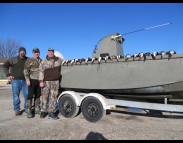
50	49
36	50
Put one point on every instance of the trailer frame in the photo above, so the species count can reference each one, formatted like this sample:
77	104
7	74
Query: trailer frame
94	105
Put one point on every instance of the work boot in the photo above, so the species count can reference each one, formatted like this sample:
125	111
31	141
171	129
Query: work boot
18	113
43	114
29	114
37	110
53	116
37	106
29	111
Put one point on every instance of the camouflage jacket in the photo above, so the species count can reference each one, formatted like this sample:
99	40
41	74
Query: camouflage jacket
31	68
50	69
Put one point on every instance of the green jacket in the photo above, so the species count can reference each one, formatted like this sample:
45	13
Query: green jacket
15	67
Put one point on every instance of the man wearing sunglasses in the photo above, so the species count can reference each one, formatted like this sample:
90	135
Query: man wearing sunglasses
31	73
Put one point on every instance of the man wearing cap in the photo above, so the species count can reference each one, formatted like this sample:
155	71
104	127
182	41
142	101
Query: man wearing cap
49	77
31	73
16	76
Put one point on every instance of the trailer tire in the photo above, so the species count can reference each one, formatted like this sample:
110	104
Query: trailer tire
92	109
67	106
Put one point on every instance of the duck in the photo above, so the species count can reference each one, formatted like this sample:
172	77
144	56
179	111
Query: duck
81	60
119	57
93	59
170	53
140	55
128	56
87	59
162	53
63	62
134	56
100	58
72	61
146	55
154	54
107	58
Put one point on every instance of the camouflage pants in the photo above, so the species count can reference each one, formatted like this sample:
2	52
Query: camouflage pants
49	96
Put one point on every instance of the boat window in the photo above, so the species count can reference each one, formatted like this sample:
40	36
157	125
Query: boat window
104	54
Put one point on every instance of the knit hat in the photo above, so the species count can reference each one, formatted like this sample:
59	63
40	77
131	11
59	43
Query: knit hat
22	49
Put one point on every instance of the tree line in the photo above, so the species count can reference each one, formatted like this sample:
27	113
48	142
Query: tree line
9	48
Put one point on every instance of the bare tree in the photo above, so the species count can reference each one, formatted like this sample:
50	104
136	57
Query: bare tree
9	48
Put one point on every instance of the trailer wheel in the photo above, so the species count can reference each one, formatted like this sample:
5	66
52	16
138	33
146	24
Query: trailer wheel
92	109
68	107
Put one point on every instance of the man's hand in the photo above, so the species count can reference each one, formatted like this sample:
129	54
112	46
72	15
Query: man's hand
41	84
28	82
10	78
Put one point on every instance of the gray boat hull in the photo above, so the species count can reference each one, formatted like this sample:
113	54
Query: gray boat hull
152	78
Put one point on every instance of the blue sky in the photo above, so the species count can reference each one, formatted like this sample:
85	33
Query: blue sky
74	29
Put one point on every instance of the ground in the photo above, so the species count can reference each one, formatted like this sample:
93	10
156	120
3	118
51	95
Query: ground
120	124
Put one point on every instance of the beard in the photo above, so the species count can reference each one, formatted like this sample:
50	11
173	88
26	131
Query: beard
22	55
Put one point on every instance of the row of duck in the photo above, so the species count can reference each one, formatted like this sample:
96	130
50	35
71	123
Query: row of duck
138	56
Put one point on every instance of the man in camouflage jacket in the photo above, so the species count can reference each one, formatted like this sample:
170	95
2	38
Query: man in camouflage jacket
31	73
49	76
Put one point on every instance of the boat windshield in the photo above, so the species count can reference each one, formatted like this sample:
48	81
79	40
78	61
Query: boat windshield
104	54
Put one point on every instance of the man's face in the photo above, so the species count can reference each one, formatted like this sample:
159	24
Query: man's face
50	54
36	54
22	54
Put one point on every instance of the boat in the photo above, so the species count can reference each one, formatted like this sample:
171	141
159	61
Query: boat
149	77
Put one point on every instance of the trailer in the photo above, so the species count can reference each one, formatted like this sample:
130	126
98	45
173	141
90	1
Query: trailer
94	105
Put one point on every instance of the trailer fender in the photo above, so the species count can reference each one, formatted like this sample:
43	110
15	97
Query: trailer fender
75	95
106	104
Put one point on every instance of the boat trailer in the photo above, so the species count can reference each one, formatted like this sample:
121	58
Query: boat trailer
94	105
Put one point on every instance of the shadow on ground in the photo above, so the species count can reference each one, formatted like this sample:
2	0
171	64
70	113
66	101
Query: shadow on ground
148	113
95	136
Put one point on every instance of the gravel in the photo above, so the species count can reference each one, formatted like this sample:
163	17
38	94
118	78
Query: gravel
120	124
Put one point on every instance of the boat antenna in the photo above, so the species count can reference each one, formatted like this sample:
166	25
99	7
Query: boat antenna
135	31
147	28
